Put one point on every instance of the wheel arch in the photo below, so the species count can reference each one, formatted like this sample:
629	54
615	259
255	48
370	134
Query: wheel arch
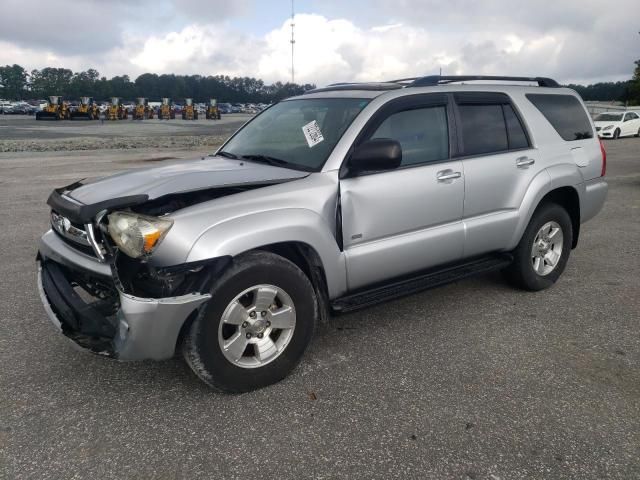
300	235
559	184
568	198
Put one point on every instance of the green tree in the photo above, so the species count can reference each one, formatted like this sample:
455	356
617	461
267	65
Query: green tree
13	82
634	86
51	81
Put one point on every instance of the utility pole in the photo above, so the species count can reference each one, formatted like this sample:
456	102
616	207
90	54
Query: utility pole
293	41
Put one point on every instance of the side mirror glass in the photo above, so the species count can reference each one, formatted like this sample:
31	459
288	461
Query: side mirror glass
378	154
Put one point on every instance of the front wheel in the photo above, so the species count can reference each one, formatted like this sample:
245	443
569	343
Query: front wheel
257	326
543	252
616	134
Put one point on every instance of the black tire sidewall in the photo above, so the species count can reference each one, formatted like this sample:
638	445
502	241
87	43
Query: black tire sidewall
522	266
202	343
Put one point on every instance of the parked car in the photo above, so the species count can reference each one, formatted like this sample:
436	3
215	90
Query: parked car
338	199
224	108
618	124
19	108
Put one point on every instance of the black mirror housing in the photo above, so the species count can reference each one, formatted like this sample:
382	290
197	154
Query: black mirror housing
376	154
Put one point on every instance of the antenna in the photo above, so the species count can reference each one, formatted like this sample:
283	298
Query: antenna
292	41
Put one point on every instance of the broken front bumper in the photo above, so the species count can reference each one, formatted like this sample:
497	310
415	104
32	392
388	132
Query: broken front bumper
121	326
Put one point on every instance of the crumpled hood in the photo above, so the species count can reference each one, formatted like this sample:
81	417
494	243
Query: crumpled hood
186	176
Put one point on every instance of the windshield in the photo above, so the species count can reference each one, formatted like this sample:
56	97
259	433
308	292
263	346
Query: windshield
609	117
296	133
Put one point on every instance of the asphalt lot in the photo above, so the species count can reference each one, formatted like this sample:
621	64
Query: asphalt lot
18	127
474	380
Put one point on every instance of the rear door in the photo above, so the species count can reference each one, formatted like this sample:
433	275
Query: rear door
401	221
499	165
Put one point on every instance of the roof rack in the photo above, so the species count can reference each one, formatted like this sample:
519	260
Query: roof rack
357	86
433	80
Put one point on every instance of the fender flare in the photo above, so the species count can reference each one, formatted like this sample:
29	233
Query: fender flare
548	180
241	234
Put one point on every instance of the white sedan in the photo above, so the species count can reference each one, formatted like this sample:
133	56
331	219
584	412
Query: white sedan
617	124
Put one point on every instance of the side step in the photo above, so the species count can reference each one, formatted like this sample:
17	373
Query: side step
419	282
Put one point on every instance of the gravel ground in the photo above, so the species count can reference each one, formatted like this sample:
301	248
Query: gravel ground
474	380
25	134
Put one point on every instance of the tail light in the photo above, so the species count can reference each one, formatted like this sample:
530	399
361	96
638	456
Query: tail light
604	159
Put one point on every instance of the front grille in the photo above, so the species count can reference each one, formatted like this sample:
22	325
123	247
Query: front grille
73	234
69	230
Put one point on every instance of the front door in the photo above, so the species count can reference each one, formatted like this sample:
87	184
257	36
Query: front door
401	221
631	124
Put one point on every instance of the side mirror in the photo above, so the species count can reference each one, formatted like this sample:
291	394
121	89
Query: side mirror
376	154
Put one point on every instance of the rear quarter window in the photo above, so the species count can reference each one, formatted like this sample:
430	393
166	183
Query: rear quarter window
565	114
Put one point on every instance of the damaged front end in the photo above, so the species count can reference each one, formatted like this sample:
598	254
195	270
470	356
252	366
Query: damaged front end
107	302
121	302
136	317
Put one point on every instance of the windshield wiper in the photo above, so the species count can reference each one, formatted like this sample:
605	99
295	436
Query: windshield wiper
276	162
228	155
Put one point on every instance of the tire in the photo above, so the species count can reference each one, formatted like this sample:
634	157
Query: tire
616	134
522	272
638	134
235	370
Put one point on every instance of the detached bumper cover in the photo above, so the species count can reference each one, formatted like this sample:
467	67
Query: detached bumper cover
121	326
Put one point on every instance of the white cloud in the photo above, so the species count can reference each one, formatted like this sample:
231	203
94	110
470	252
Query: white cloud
562	40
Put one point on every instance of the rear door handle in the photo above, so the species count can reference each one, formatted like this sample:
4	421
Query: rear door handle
523	162
445	175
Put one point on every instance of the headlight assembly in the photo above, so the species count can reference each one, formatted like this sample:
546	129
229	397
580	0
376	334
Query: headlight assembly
137	235
608	127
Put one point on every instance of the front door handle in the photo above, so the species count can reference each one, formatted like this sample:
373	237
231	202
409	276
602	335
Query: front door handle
524	162
445	175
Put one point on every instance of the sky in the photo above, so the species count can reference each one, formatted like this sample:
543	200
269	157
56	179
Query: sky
573	41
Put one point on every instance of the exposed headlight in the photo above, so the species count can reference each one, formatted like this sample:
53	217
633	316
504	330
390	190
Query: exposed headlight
608	127
137	235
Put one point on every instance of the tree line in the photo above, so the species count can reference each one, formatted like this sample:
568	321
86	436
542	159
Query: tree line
18	84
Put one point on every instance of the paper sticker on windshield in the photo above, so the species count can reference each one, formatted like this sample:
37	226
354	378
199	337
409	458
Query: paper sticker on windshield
312	133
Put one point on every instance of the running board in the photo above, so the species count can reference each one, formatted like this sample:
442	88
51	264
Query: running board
423	281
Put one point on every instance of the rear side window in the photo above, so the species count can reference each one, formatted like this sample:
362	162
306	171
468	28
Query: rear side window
483	129
422	133
565	113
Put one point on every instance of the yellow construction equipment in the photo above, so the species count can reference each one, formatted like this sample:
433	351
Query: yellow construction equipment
142	110
115	111
189	111
213	112
87	109
56	109
166	111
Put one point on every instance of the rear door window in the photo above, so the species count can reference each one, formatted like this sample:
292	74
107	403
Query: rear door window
565	113
483	129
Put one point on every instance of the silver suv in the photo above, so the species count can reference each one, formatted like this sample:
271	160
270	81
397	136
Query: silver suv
335	200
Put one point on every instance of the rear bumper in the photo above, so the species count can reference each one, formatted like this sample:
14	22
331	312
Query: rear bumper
595	194
119	325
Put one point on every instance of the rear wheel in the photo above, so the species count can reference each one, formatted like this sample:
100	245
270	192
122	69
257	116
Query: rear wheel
543	252
258	324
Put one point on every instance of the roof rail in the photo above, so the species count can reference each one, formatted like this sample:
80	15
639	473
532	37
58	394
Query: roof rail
375	86
433	80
